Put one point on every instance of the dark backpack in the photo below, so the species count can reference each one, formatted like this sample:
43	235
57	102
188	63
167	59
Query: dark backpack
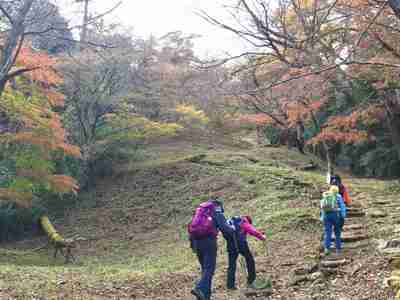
336	180
202	223
235	222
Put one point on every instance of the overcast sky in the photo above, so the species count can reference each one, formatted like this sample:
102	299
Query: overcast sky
158	17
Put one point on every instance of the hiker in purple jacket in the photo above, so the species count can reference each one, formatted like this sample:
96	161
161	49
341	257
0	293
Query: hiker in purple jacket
207	221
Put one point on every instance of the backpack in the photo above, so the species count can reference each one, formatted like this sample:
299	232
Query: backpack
234	223
202	223
329	202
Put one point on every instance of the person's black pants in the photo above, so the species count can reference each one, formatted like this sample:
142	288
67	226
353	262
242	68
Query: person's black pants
206	250
233	255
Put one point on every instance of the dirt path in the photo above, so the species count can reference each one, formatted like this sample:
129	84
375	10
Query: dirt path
358	272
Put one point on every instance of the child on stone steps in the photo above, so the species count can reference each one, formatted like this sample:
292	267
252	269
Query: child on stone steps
333	211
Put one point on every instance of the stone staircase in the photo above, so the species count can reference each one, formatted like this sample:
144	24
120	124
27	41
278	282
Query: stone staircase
387	215
354	236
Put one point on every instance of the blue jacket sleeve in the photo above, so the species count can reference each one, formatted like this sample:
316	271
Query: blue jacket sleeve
342	206
220	222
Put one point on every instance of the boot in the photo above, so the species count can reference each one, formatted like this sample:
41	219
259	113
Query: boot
198	294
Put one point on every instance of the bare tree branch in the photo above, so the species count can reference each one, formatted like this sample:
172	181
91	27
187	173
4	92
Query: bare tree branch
4	11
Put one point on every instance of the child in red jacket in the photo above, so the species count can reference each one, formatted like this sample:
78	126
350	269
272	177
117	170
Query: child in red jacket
237	244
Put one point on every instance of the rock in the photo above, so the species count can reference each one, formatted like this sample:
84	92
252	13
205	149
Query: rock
353	237
389	248
333	263
390	228
315	276
376	213
328	271
395	243
196	158
381	244
382	202
355	245
306	270
391	252
298	279
355	213
258	293
356	226
252	181
395	262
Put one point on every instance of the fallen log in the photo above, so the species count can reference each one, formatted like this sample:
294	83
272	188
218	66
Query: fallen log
60	244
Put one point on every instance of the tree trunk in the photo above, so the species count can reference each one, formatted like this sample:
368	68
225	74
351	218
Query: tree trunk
84	25
393	123
300	136
325	146
12	41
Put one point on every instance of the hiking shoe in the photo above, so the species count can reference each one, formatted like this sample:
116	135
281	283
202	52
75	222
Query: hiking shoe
231	288
252	285
261	284
198	294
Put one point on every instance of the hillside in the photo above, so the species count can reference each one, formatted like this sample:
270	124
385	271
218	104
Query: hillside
133	240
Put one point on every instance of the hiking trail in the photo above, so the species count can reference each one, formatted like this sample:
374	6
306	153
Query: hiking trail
134	242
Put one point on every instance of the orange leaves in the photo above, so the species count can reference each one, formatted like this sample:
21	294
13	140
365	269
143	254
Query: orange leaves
71	150
346	129
41	125
38	132
55	98
302	110
42	65
343	122
258	119
346	137
47	142
23	199
63	184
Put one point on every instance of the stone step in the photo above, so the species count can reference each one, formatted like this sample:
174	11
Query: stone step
391	252
356	245
355	205
333	263
382	202
355	213
355	226
258	293
388	205
353	237
352	208
328	271
376	213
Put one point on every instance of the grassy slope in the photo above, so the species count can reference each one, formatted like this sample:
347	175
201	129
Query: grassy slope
134	225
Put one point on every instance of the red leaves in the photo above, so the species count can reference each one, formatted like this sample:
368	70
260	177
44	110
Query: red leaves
63	184
42	65
258	118
30	101
346	129
346	137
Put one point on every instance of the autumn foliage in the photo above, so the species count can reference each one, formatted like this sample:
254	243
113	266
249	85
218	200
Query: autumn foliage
35	137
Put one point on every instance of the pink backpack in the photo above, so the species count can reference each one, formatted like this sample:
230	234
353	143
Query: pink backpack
202	224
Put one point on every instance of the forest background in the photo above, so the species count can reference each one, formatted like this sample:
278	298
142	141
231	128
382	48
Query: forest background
322	77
